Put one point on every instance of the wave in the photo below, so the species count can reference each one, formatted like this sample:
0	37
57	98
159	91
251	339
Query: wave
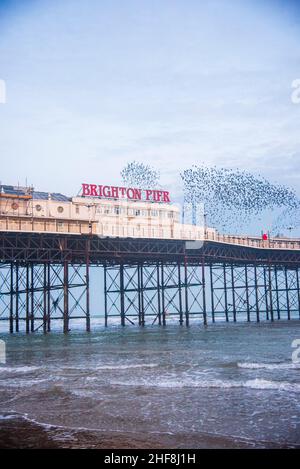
276	385
124	367
270	366
257	383
18	369
29	369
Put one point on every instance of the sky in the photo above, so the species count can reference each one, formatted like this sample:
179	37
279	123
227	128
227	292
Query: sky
92	85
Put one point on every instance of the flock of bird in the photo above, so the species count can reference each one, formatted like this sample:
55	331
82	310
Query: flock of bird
232	198
140	175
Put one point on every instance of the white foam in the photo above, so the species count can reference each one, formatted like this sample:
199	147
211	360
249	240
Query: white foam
213	383
124	367
276	385
269	366
8	416
18	369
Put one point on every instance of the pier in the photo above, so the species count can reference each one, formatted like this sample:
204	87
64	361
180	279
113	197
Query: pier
46	277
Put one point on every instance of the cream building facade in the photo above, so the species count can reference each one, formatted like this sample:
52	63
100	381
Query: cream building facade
22	209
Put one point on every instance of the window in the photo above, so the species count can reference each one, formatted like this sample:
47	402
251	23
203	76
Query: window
38	208
14	206
117	210
60	209
77	209
170	214
137	213
154	213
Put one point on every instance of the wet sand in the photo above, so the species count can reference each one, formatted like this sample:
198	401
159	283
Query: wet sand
22	434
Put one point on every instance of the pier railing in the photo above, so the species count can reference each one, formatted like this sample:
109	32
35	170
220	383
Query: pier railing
176	232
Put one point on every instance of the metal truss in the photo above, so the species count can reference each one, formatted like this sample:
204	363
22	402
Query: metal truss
154	293
46	277
32	295
143	294
57	248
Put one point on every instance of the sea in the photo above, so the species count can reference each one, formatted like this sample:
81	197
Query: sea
220	386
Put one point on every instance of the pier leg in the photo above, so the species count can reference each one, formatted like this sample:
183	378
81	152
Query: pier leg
256	293
163	295
45	299
48	297
32	297
233	293
17	296
105	295
66	298
187	319
266	294
180	294
87	279
212	293
27	299
11	307
277	293
247	293
287	293
122	298
141	294
225	292
158	294
203	292
271	293
298	289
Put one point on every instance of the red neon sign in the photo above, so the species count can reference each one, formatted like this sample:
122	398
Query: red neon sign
129	193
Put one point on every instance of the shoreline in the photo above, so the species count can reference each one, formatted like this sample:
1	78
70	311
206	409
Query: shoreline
21	433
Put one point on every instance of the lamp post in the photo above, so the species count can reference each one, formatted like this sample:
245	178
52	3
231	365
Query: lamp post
205	225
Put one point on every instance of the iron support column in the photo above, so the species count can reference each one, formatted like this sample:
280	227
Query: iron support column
66	297
187	319
203	291
158	294
287	293
45	317
48	297
225	293
105	294
277	293
256	293
32	298
163	295
212	293
17	297
141	292
247	293
298	289
87	280
11	307
233	293
180	294
271	294
27	300
266	294
122	299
